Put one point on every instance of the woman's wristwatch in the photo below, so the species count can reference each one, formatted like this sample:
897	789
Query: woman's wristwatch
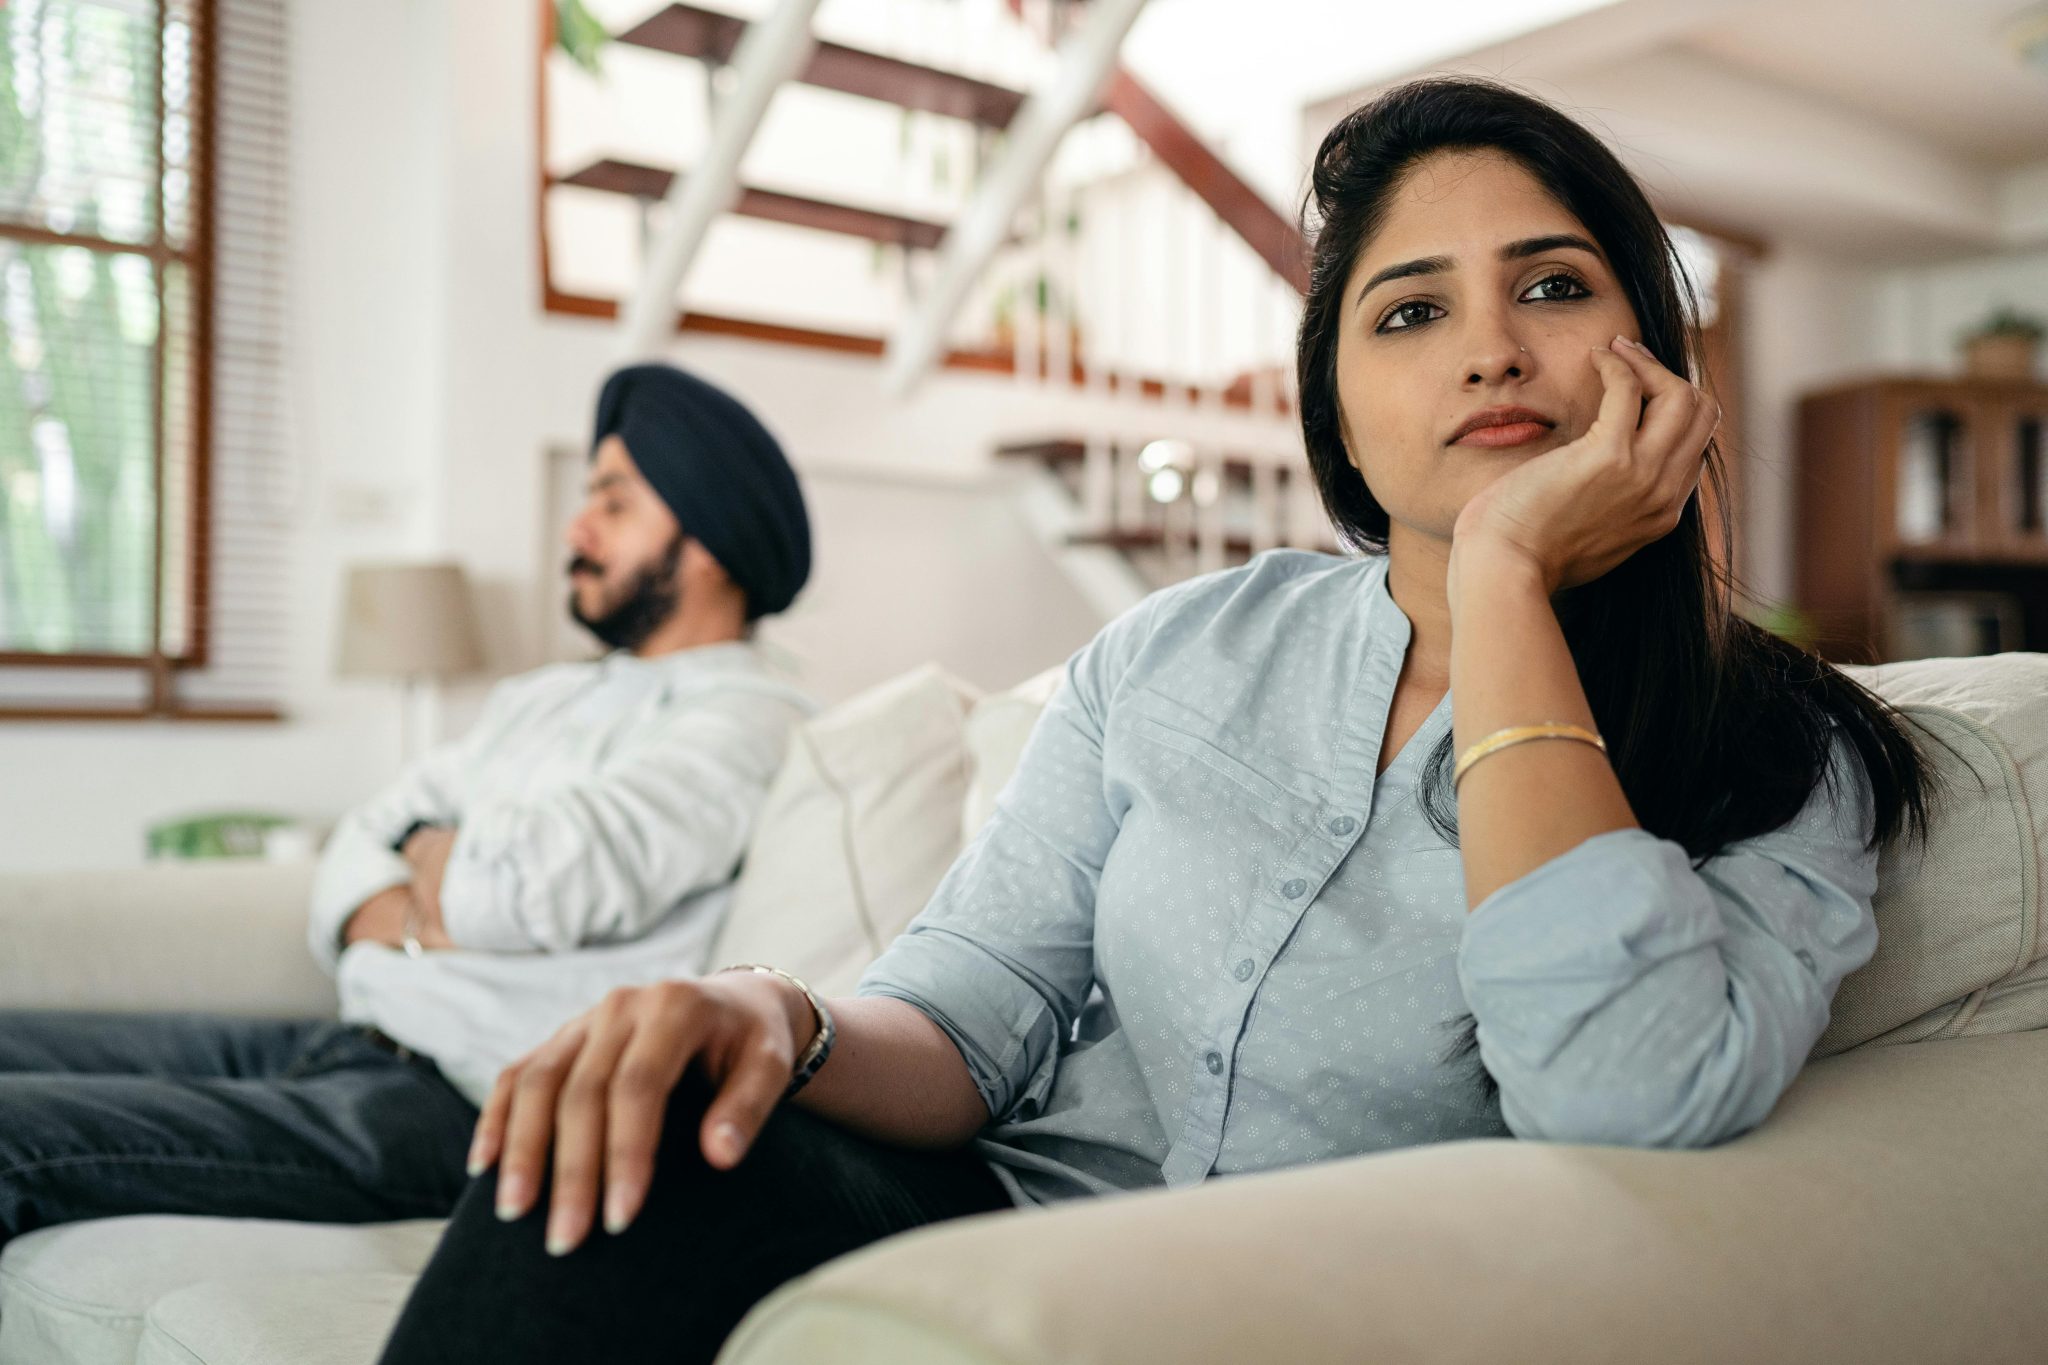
813	1057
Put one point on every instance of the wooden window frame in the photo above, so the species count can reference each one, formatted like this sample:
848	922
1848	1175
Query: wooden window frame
197	258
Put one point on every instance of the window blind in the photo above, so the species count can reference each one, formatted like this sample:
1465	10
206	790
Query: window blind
144	489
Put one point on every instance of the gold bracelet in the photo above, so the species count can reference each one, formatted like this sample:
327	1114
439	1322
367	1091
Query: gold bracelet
1521	734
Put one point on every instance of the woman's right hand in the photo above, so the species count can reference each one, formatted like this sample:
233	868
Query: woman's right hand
599	1090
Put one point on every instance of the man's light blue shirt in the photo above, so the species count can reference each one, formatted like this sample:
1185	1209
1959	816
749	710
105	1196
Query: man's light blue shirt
1202	935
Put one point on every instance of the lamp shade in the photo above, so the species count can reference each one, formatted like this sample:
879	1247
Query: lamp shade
408	621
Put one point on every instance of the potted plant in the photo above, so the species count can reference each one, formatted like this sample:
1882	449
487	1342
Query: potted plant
2004	347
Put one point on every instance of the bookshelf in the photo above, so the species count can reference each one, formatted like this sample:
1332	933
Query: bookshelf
1921	517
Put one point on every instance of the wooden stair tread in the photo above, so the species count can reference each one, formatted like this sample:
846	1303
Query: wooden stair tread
687	31
1070	450
652	182
1151	538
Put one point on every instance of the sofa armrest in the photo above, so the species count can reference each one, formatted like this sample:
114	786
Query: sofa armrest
1892	1210
226	937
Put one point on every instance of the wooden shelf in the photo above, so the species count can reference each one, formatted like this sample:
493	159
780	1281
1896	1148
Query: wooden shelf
652	182
687	31
1997	556
1966	455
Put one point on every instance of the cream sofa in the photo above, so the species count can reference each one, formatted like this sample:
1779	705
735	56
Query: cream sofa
1893	1209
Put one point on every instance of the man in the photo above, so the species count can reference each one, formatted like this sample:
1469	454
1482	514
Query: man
582	835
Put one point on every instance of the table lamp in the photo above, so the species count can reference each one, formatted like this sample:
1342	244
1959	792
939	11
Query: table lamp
412	622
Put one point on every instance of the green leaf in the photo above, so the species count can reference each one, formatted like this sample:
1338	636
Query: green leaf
579	33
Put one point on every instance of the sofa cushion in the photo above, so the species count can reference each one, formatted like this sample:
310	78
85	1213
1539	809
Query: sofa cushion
331	1319
858	828
996	730
1959	949
79	1293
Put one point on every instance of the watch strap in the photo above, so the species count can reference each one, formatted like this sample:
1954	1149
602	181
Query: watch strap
813	1056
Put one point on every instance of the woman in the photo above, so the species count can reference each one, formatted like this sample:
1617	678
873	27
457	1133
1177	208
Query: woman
1253	824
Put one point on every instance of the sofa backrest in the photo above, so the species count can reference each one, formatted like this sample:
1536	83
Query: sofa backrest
1959	948
859	825
881	792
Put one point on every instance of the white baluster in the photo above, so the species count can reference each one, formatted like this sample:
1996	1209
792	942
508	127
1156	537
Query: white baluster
1266	509
1132	500
1059	351
1024	313
1206	496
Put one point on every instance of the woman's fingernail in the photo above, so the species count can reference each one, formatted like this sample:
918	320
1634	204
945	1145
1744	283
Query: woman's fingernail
511	1199
476	1165
616	1215
730	1143
559	1243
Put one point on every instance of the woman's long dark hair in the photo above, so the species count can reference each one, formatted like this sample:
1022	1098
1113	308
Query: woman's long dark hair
1718	730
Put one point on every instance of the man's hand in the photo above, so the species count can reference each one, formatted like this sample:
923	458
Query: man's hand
380	919
427	854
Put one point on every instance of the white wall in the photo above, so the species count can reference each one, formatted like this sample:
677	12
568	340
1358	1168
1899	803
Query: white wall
425	385
1812	319
1926	310
365	406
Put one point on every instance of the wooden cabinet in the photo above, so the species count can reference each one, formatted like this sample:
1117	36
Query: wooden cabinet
1922	506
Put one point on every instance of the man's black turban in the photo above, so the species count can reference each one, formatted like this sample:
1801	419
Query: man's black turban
719	471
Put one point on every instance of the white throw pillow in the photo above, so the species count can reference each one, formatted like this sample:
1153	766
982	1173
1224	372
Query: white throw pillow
996	731
859	826
1959	944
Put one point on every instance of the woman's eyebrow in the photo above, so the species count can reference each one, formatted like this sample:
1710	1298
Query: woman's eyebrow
1513	251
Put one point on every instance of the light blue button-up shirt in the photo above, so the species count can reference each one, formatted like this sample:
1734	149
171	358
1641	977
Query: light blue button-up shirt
1203	935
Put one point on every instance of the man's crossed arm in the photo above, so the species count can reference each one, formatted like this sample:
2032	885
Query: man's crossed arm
382	918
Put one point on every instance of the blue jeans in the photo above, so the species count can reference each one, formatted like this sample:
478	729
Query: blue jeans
106	1114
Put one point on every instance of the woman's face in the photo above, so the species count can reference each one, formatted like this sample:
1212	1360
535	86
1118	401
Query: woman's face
1480	291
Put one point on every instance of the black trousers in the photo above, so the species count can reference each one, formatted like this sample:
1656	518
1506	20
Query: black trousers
105	1114
707	1246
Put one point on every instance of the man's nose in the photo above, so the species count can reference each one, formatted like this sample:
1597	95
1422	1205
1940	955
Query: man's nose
576	534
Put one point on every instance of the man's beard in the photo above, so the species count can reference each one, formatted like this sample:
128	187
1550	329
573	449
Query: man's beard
654	598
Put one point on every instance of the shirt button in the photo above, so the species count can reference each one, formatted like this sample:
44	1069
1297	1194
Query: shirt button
1243	970
1293	887
1214	1061
1342	825
1805	957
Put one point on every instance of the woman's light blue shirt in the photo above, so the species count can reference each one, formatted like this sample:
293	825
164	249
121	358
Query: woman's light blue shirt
1201	935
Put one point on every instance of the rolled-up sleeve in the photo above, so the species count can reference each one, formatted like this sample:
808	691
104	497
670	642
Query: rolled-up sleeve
1002	957
1623	996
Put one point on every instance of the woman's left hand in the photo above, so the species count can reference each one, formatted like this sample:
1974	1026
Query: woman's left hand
1576	512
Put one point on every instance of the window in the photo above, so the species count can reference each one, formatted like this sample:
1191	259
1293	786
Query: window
110	523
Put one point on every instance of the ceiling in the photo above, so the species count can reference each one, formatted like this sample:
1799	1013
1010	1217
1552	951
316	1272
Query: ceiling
1940	69
1890	130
